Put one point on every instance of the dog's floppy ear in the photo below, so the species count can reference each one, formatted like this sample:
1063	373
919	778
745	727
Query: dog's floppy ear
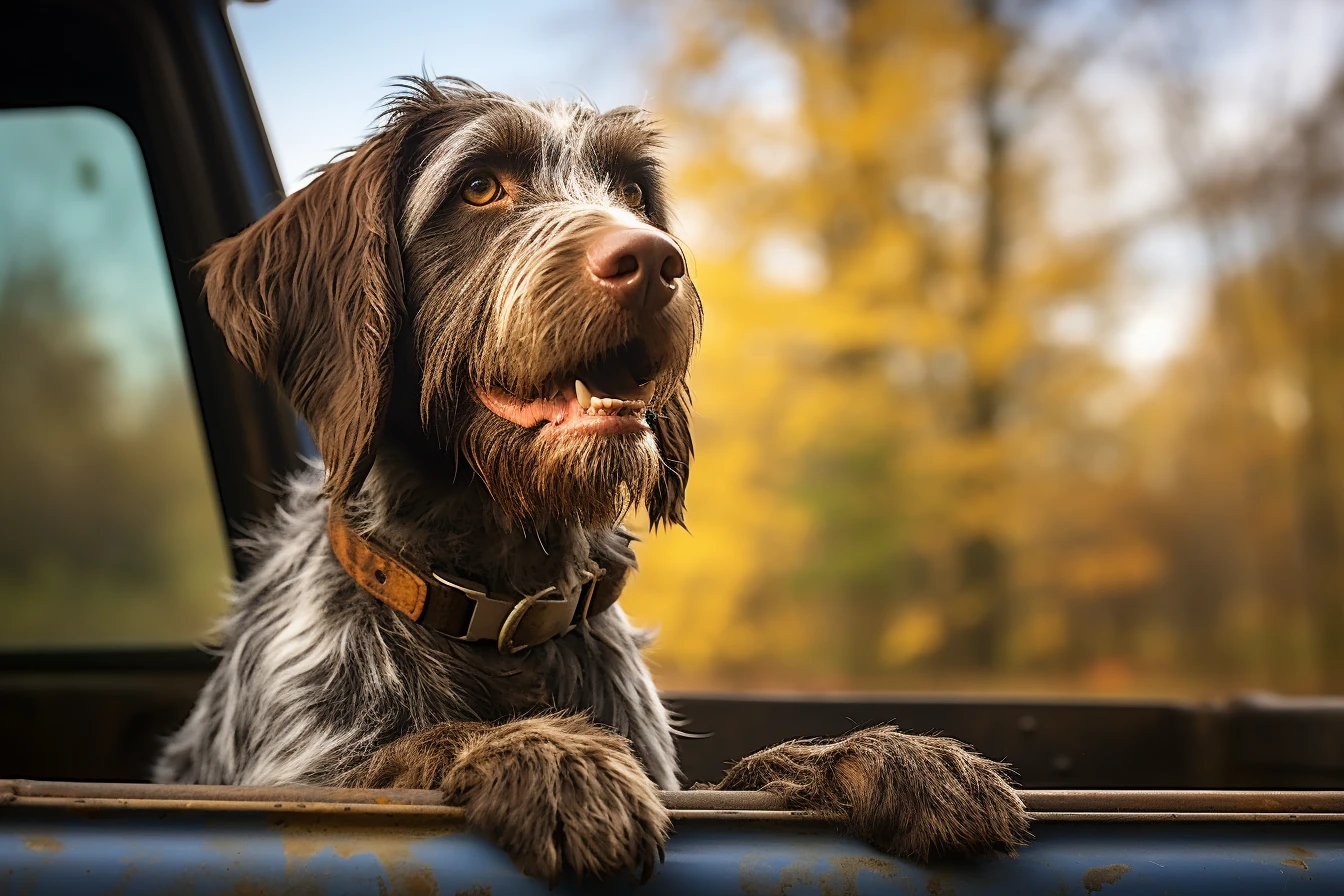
672	429
312	295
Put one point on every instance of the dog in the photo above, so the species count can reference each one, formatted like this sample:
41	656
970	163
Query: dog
483	319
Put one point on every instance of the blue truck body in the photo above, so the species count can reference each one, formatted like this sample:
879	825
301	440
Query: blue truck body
191	841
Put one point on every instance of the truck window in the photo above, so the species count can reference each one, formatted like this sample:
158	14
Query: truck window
110	532
1021	359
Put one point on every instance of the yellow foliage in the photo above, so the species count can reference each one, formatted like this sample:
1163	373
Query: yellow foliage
905	467
915	632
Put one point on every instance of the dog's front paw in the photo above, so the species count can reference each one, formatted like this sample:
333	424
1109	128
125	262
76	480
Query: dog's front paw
912	796
559	793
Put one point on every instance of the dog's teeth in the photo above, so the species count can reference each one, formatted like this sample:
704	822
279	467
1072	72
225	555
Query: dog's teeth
600	406
646	393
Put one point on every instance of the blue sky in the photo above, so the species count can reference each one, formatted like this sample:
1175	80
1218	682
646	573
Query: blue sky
320	67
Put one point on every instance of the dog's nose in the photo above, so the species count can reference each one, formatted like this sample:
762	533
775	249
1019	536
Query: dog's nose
638	266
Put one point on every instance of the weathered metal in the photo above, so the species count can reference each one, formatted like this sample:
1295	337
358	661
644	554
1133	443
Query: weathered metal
1056	804
140	839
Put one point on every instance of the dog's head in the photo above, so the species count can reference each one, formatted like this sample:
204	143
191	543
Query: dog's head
520	251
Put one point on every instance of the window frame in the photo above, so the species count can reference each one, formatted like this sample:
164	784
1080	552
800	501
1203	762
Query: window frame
210	173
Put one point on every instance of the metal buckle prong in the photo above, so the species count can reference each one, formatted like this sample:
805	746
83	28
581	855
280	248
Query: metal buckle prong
515	618
586	599
474	590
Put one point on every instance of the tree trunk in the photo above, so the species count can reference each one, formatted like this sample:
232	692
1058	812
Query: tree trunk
982	559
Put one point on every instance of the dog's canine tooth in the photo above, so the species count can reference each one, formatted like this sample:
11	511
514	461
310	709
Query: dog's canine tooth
583	393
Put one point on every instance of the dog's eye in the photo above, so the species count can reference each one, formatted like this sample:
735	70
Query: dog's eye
481	189
633	195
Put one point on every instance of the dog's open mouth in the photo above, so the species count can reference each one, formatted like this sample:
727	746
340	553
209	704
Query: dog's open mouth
609	394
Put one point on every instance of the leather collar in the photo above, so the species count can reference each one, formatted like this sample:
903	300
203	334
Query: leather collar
463	609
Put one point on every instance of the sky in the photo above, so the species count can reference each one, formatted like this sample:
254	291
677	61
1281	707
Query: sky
320	68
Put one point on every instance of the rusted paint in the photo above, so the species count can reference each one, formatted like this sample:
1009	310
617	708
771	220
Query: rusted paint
1096	878
849	868
833	875
1295	863
302	838
308	852
44	844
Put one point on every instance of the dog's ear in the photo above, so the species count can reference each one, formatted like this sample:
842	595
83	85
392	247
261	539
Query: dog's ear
672	429
312	295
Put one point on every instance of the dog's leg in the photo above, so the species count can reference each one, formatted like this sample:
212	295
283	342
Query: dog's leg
556	792
912	796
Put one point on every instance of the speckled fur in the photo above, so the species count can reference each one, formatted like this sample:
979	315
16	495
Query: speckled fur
319	683
315	674
379	305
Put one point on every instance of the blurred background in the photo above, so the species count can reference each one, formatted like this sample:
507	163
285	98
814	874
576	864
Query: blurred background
1021	368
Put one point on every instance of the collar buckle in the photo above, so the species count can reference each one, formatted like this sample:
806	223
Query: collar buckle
515	626
461	608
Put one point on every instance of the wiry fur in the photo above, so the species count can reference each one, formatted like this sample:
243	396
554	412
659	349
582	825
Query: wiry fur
386	307
315	675
554	823
915	796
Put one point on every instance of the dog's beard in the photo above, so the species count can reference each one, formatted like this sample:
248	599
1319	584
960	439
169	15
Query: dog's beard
538	478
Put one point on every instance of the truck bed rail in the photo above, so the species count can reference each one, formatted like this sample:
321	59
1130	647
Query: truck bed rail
64	837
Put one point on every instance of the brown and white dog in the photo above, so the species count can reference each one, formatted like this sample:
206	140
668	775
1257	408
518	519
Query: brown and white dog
482	318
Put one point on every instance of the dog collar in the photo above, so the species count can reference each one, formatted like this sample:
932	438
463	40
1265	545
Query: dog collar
463	609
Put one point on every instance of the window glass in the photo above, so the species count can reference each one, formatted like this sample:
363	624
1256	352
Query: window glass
109	526
1022	360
